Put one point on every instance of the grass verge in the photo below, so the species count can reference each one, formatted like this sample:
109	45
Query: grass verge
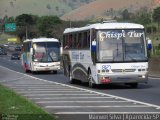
14	106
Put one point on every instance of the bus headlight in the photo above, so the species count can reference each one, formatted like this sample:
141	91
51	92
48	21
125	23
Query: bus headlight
143	76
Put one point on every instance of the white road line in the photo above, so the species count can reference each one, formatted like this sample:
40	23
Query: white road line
26	89
101	113
33	85
38	87
32	92
102	94
58	94
45	87
63	98
13	79
127	106
82	101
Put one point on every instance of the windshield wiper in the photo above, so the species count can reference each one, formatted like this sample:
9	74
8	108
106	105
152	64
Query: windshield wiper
133	59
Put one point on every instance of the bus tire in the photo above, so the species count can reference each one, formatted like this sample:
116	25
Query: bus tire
133	85
54	71
90	80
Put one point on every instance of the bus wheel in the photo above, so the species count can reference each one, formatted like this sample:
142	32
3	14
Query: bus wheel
90	81
71	80
54	71
134	85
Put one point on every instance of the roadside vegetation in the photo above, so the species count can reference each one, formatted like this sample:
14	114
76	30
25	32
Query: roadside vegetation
49	25
33	26
15	107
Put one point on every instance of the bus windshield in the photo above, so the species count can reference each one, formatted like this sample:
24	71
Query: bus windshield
46	52
121	46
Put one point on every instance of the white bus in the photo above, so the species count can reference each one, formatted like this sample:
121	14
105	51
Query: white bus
105	53
41	54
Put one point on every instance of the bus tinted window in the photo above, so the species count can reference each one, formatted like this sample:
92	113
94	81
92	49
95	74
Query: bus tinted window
85	40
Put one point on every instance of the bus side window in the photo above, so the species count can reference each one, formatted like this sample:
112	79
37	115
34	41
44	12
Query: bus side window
70	41
88	40
74	40
64	41
78	45
85	40
67	42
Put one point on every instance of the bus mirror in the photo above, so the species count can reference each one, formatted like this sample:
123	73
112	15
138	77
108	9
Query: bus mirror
31	51
93	47
149	45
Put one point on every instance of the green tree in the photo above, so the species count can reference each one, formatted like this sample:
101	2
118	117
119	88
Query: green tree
24	19
125	15
156	15
25	25
46	23
11	20
143	18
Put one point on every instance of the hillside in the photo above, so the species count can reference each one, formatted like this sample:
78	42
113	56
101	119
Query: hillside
100	8
39	7
72	9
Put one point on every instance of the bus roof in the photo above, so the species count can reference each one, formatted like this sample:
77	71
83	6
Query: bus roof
106	26
42	40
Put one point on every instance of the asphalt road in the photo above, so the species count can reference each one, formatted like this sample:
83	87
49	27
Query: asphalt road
145	93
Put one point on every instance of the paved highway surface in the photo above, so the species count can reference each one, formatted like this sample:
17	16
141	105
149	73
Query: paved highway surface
76	99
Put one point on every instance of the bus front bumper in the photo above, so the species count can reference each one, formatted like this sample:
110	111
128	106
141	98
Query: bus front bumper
55	68
123	78
46	67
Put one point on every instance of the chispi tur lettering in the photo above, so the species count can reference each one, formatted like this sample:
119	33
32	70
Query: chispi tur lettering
118	35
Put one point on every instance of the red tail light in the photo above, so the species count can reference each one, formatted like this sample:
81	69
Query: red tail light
105	80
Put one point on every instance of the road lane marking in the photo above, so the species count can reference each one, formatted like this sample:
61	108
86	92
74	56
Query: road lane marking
33	85
26	89
2	81
32	92
40	87
58	94
82	101
118	106
63	98
99	93
29	87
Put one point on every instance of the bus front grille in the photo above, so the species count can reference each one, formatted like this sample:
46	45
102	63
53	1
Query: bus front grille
123	70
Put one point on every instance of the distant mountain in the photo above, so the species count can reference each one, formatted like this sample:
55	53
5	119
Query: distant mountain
108	9
73	9
39	7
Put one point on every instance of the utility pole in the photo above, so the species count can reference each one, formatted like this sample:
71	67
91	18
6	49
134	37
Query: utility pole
152	2
26	32
70	23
